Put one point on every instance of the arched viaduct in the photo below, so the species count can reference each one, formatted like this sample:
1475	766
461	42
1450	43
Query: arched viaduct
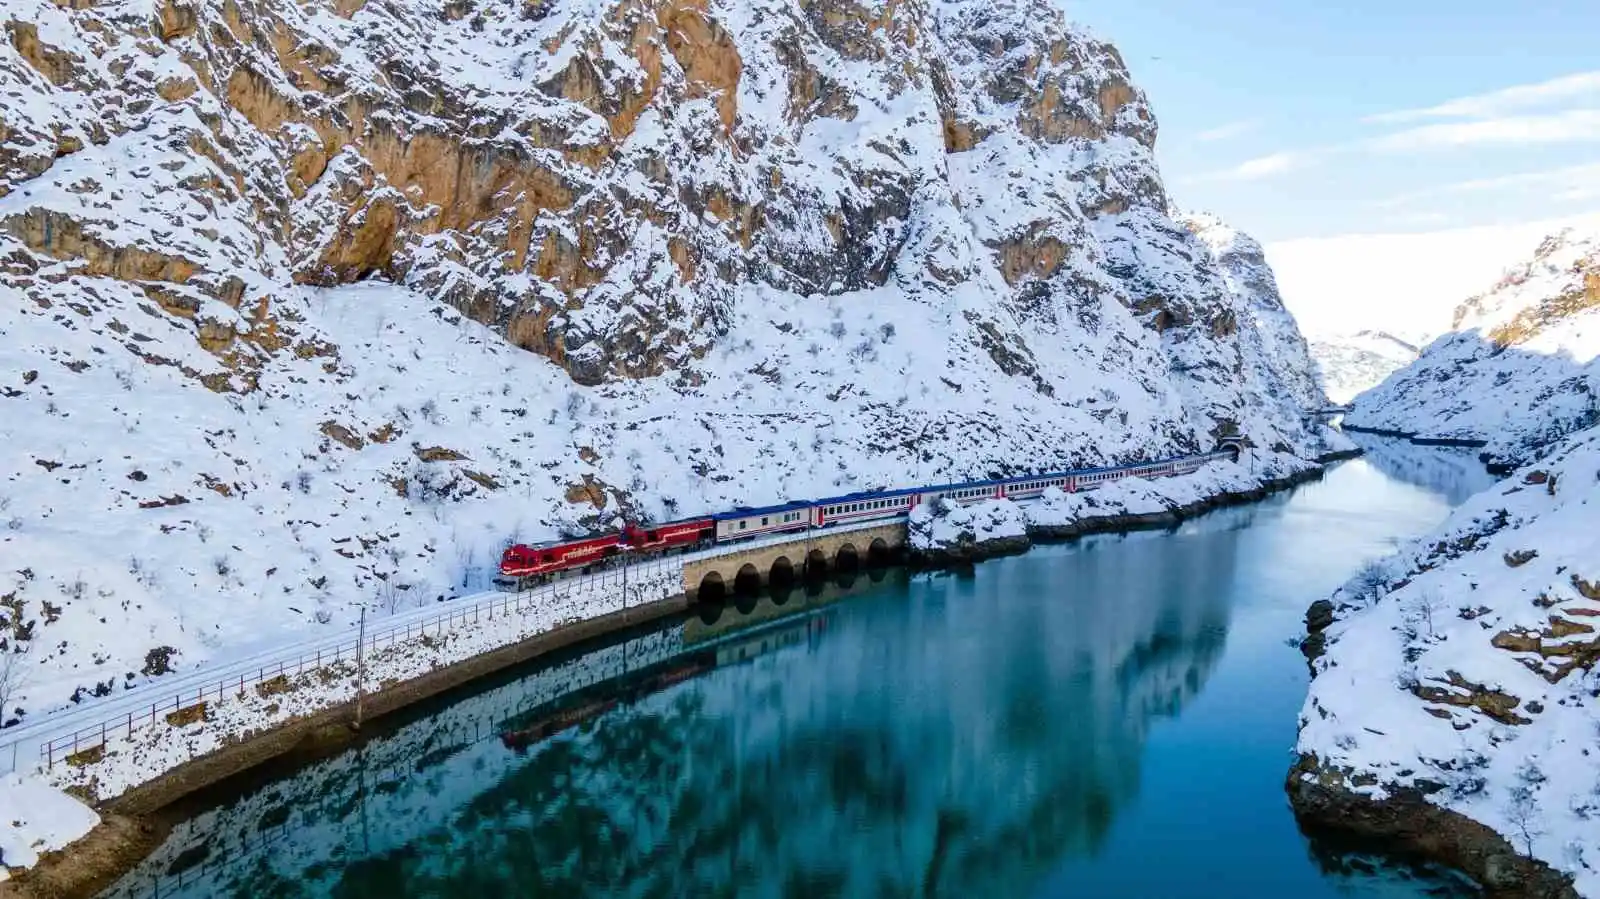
748	570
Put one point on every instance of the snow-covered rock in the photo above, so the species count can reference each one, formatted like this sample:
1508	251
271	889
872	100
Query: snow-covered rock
946	531
1517	369
1351	364
1460	675
614	259
35	818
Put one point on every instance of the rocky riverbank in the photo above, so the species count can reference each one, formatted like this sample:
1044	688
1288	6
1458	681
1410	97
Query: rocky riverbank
1406	823
1452	711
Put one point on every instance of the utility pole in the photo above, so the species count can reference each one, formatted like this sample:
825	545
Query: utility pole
361	668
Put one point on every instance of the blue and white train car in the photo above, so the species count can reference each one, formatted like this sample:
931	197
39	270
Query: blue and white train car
744	523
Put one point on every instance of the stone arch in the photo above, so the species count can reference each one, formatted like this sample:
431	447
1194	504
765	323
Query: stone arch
748	581
781	572
816	563
847	558
780	592
711	612
712	589
879	554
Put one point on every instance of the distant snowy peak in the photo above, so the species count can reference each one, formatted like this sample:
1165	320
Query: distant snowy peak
1353	363
1221	238
1518	372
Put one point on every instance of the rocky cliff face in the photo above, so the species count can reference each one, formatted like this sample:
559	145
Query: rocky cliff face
1517	370
1278	368
316	304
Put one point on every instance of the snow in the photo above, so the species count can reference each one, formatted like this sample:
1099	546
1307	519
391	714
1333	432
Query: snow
1510	566
205	502
152	747
35	818
1518	369
946	523
1351	364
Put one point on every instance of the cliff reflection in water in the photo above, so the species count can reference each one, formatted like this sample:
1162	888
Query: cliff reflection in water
1454	473
939	734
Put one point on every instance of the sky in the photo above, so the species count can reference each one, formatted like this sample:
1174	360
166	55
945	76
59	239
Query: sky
1309	124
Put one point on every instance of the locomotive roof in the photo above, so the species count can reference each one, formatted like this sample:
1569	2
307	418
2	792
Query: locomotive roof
568	541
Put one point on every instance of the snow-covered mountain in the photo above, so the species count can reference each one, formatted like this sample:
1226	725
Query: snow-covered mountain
1517	369
309	305
1353	363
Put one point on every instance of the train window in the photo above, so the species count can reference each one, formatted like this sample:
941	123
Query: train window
763	521
743	525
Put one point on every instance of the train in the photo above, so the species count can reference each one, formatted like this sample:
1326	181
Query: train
522	564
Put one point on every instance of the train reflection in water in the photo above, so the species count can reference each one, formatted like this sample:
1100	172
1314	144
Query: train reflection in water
586	705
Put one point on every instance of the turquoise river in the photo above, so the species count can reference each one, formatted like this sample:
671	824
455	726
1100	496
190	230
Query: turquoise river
1109	718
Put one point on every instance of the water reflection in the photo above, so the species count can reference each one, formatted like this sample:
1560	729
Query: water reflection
1454	473
942	734
962	735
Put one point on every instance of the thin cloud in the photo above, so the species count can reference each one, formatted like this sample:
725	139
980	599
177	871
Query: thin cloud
1580	86
1572	126
1228	131
1576	182
1261	167
1582	193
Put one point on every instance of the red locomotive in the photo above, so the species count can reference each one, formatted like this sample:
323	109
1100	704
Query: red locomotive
521	561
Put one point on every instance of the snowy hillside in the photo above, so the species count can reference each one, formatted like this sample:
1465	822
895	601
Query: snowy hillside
1517	369
306	306
1351	364
1462	670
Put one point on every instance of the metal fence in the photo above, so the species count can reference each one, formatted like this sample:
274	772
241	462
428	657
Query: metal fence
86	744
